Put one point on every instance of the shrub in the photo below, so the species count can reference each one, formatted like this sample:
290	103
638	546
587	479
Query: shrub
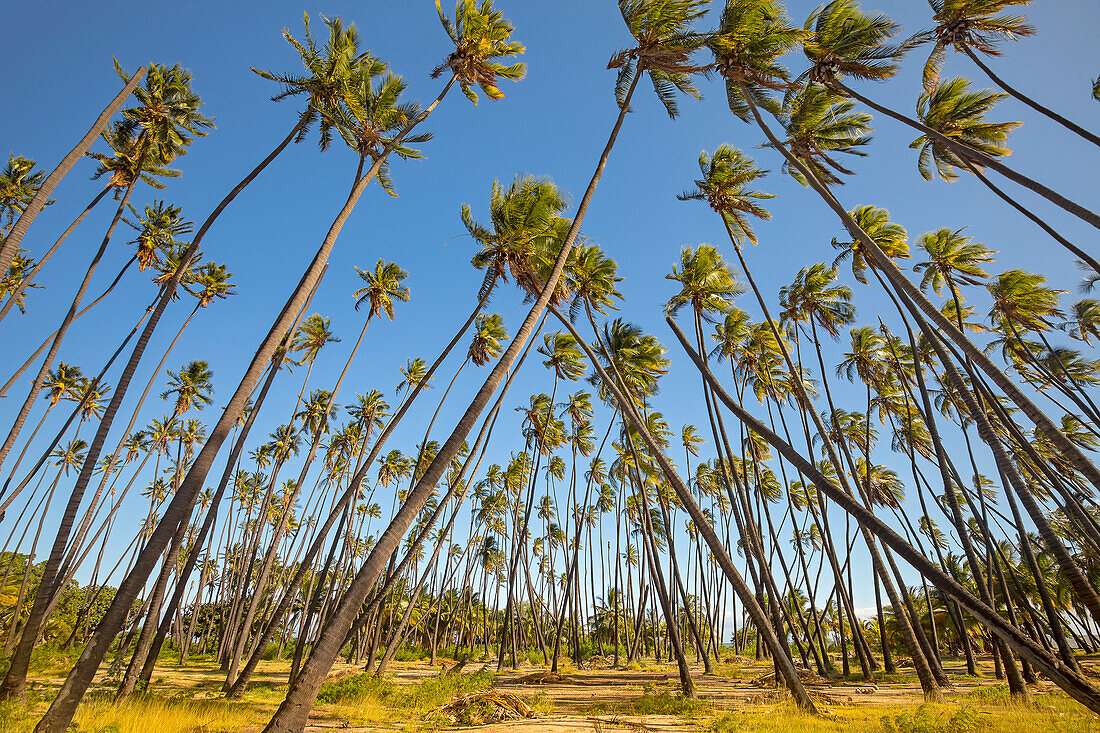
663	702
927	719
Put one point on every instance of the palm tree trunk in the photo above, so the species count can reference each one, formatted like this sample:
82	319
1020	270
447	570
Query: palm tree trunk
965	151
294	710
60	713
49	339
1029	101
1073	684
11	242
718	549
15	682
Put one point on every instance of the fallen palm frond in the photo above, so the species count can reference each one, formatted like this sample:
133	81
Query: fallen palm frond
490	706
737	659
598	662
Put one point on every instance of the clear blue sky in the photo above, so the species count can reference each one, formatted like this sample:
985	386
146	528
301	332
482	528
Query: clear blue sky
57	75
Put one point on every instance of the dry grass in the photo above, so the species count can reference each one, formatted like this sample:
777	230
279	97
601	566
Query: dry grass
1054	713
145	715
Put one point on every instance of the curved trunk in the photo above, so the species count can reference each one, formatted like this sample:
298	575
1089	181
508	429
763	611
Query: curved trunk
1072	127
1073	684
294	710
27	281
49	339
11	242
718	549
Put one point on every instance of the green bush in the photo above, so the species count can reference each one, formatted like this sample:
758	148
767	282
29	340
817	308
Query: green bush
429	694
355	688
662	702
411	654
927	719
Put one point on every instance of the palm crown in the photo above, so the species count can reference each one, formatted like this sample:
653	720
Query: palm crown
724	186
706	283
890	237
664	46
980	25
481	36
752	37
384	286
19	182
843	41
330	72
369	117
955	111
820	123
168	115
524	220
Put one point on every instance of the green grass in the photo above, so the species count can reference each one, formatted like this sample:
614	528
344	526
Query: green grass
366	699
1053	713
655	701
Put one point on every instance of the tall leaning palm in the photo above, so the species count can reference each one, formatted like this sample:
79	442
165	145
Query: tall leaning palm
663	48
64	707
977	28
748	51
169	119
842	42
955	111
10	245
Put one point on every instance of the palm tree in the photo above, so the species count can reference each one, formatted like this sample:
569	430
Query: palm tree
841	41
957	114
705	283
664	46
127	163
19	183
718	549
382	289
821	123
890	237
979	27
9	247
167	114
191	386
525	219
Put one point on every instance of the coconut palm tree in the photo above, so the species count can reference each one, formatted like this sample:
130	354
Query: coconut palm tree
19	182
10	245
821	123
976	27
127	163
191	386
890	237
842	42
664	45
957	114
383	287
487	343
